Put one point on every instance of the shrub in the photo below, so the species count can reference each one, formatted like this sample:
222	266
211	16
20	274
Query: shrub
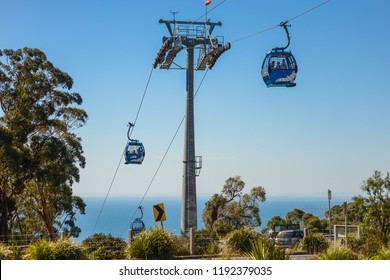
206	242
61	250
315	243
383	254
264	249
40	250
240	240
338	252
6	253
104	247
183	246
66	249
153	244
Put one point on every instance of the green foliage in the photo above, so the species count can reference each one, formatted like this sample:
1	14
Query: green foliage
232	209
338	252
313	223
61	250
66	249
6	253
314	243
206	242
41	154
383	254
104	247
40	250
295	216
371	212
240	240
264	249
355	212
276	220
375	206
153	244
183	246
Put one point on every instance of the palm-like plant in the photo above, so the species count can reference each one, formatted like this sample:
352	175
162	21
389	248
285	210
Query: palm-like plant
264	249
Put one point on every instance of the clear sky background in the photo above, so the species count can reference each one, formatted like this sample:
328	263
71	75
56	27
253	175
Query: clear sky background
329	132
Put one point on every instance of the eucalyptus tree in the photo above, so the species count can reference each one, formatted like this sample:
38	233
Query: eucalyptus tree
275	221
371	211
232	209
295	216
40	151
374	206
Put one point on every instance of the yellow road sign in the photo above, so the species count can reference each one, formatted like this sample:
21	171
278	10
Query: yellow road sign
159	212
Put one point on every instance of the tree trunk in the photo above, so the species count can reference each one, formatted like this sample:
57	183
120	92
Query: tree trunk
47	217
4	217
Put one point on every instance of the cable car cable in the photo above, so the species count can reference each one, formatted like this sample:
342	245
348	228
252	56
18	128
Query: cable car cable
315	7
120	161
142	100
164	156
129	135
216	6
285	22
174	136
147	84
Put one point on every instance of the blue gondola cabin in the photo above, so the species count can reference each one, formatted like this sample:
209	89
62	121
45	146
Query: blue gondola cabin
137	226
279	69
134	153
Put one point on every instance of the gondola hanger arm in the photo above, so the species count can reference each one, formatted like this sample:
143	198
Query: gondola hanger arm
128	131
284	25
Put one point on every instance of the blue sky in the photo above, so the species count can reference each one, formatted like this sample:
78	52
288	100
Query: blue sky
329	132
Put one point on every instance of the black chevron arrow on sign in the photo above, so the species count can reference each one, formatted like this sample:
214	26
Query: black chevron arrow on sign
159	212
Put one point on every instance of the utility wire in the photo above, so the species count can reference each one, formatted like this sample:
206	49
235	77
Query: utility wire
120	160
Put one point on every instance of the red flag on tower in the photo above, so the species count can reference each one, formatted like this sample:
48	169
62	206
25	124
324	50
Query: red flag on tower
207	2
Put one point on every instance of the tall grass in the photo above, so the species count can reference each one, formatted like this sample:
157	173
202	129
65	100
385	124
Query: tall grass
240	240
153	244
264	249
338	252
6	253
61	250
100	246
314	243
383	254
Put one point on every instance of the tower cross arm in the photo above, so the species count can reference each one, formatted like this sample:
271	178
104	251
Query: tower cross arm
168	23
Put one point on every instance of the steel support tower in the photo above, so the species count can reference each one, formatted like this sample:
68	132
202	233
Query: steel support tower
192	36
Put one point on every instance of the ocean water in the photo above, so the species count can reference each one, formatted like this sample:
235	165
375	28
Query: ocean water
117	213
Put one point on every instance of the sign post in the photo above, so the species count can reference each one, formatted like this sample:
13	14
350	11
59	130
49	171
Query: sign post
346	222
330	225
159	213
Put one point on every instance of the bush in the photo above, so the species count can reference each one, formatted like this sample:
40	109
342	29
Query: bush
206	242
314	243
183	246
383	254
240	240
40	250
338	252
153	244
66	249
264	249
104	247
61	250
6	253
